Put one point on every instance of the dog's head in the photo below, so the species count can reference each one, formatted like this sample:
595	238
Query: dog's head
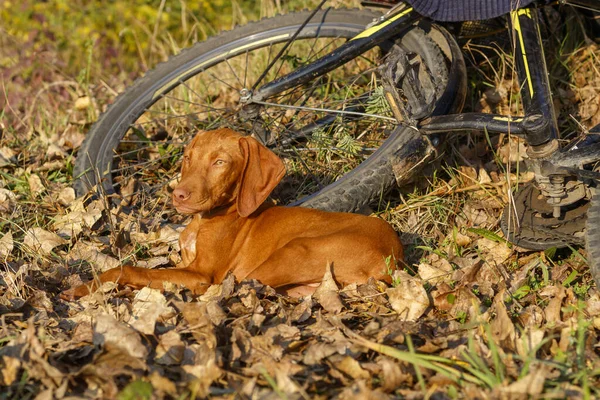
222	167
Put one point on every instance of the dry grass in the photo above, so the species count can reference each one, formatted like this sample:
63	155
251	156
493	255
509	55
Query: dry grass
472	318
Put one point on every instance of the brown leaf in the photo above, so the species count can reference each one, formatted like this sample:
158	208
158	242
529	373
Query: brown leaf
37	364
6	245
409	298
86	251
7	200
351	367
532	384
494	252
7	156
112	334
220	291
42	241
35	185
55	152
465	303
332	341
113	361
9	369
303	311
170	348
553	309
361	391
503	329
200	377
327	294
72	223
444	297
531	316
66	196
148	305
215	313
434	275
82	103
529	339
199	322
392	374
162	385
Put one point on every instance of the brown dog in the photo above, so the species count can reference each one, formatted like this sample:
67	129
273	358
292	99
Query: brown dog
225	179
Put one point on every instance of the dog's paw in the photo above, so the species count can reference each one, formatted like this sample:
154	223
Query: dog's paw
76	292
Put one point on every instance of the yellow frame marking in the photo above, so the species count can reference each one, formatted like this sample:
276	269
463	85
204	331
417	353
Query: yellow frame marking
508	119
514	15
373	29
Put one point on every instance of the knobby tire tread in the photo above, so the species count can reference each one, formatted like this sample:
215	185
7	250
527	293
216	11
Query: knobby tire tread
592	237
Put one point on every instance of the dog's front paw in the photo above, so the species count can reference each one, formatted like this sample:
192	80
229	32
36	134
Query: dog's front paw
77	292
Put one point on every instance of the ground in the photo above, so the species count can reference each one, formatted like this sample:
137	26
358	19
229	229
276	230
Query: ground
471	316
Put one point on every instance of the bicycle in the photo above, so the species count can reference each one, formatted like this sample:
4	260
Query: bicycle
354	102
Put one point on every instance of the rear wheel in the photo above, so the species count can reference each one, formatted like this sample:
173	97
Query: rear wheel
337	160
592	237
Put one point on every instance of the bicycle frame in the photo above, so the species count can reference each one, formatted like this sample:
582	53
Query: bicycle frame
538	126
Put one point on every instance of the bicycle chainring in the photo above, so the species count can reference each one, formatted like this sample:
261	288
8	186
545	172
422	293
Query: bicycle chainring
530	223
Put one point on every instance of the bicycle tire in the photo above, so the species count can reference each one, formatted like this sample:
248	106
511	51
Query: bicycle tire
592	236
349	193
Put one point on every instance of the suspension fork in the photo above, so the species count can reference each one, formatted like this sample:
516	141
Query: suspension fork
539	124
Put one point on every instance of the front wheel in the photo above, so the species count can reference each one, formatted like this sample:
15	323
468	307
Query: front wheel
132	151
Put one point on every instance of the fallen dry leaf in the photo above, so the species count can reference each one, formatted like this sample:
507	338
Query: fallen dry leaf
9	369
494	252
112	334
6	245
170	349
531	385
42	241
66	196
7	200
552	311
35	185
53	152
503	329
82	103
433	275
86	251
351	367
200	377
7	156
199	322
148	306
409	298
327	294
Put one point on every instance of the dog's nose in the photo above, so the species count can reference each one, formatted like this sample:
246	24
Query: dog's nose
181	194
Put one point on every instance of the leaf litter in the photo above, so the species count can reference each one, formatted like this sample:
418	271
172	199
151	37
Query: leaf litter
469	316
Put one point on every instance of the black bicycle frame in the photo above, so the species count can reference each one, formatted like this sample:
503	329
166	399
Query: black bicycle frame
392	26
538	126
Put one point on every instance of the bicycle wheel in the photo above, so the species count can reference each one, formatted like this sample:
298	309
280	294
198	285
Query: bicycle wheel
131	152
592	237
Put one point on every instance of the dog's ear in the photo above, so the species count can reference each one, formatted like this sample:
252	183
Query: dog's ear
262	172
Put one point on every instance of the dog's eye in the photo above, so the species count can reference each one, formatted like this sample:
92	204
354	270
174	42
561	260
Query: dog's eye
186	158
219	162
